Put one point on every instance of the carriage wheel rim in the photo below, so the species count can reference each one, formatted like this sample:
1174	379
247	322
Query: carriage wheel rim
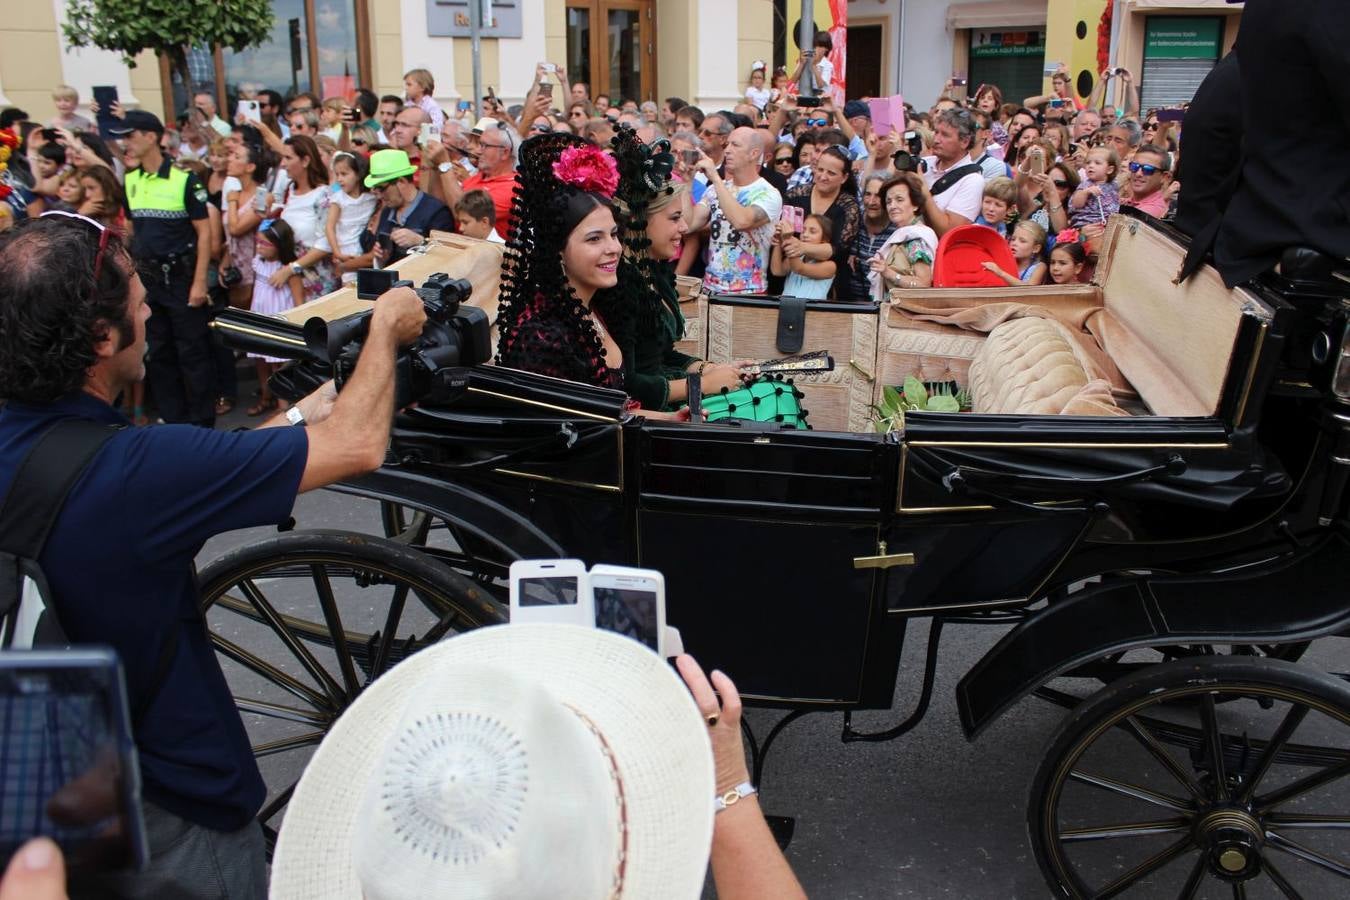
1235	837
318	707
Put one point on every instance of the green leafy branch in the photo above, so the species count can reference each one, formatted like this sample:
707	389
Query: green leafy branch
890	413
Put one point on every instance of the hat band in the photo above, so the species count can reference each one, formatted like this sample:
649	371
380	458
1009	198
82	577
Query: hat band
616	887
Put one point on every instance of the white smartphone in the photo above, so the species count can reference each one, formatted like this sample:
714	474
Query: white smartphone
631	602
429	134
250	110
551	590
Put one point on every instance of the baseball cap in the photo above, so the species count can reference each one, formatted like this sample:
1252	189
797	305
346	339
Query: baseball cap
137	120
855	108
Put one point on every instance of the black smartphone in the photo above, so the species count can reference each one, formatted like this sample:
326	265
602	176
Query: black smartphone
690	157
351	115
105	95
68	769
1171	115
808	102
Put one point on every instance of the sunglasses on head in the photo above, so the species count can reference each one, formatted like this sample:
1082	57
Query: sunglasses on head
1145	168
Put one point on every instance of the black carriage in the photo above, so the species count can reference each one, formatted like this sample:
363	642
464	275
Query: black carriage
1177	551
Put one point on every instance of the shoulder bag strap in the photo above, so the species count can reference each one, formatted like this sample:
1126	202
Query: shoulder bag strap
951	178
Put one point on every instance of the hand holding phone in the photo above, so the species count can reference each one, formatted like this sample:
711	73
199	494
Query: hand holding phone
627	601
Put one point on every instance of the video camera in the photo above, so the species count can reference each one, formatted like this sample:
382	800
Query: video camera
910	157
454	338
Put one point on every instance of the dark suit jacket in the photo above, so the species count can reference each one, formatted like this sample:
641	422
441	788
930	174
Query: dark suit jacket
1295	181
1212	149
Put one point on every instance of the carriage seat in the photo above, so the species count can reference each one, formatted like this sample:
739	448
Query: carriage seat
1031	366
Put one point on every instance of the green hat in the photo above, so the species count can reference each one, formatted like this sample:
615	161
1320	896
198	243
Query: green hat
388	165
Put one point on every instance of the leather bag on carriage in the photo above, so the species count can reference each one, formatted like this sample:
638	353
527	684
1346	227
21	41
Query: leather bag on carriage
761	328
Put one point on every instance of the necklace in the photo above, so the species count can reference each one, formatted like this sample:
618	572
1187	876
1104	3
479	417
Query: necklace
600	326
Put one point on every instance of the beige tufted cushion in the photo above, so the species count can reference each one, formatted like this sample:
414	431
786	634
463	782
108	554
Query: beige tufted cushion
1030	366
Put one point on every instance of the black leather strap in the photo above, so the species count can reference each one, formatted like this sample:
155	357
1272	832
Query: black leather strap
951	178
791	324
44	479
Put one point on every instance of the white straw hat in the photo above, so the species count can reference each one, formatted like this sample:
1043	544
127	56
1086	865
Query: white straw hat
516	761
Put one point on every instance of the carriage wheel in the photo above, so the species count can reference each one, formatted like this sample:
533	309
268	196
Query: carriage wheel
304	621
468	555
1154	787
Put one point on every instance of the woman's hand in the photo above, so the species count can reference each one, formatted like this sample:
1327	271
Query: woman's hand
281	277
792	247
1045	186
877	264
717	376
724	720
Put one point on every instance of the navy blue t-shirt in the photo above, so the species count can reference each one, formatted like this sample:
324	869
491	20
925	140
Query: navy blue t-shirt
119	563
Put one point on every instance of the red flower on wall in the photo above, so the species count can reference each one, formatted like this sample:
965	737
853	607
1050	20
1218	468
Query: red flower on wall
1104	39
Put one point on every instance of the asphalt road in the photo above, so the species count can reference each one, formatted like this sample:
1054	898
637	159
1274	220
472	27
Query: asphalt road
928	815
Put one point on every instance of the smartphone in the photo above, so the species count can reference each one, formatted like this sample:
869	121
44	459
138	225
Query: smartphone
1060	103
551	590
550	68
105	95
959	80
250	110
690	157
631	602
386	245
546	88
794	216
1171	115
808	102
68	769
1036	161
1051	68
491	94
428	134
465	105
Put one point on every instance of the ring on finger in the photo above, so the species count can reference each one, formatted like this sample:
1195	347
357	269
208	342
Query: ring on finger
713	718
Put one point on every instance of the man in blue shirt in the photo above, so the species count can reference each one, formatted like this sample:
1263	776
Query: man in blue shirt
409	215
119	559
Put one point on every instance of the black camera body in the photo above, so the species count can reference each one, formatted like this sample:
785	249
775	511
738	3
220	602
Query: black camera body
910	157
432	370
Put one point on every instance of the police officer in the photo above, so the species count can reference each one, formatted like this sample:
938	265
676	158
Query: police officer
167	206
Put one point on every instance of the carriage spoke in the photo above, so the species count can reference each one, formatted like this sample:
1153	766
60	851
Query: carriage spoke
1194	879
1167	760
277	711
1133	829
1239	891
298	650
1132	790
258	666
1144	869
280	800
442	627
1280	881
309	739
1307	821
390	633
331	616
1279	842
1302	786
1288	726
1214	739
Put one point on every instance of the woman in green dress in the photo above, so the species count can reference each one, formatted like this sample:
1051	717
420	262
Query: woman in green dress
653	213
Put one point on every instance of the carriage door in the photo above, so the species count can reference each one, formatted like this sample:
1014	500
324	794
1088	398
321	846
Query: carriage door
611	47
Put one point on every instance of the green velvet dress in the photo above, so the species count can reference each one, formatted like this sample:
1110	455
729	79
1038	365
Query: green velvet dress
650	360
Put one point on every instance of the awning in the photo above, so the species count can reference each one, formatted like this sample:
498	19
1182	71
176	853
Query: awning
1002	14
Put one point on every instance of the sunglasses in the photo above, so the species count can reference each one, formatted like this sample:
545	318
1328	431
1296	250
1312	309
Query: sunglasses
817	122
102	237
783	161
359	142
1059	183
1145	168
1150	126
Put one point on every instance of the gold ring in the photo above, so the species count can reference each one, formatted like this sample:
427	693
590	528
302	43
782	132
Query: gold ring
712	719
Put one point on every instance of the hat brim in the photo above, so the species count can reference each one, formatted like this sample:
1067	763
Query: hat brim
658	737
375	181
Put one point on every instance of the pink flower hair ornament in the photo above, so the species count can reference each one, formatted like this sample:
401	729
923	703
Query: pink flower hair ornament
588	169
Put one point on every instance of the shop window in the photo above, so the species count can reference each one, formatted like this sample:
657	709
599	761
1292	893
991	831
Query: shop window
1179	51
1013	60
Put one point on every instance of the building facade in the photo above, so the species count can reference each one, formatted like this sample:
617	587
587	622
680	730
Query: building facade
700	50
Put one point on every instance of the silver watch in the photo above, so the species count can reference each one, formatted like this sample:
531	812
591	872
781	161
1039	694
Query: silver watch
295	416
443	167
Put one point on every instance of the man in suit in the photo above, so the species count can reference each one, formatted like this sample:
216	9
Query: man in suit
1293	189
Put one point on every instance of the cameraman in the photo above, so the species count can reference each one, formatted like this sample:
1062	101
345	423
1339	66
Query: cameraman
119	558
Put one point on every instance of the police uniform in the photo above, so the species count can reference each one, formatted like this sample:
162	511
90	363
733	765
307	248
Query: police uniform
162	206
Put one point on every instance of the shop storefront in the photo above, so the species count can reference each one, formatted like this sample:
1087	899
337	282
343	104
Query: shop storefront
1179	51
1013	60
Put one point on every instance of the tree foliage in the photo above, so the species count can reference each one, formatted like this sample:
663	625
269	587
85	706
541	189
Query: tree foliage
166	26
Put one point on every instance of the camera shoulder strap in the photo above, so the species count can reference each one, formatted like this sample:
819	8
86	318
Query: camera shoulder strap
949	180
36	496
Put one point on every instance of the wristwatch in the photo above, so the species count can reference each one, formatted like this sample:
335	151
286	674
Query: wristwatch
443	167
295	416
297	269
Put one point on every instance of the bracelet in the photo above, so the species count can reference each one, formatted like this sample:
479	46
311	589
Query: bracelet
734	796
1054	208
